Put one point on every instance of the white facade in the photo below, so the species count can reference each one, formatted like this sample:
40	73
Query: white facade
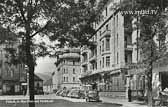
68	69
106	63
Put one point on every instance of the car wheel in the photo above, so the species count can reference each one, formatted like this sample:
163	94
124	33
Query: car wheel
89	99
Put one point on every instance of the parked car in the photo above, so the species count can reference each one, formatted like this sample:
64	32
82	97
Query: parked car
58	92
81	94
92	95
64	93
74	93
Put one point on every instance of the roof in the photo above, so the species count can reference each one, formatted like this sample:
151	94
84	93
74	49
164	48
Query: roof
37	78
48	82
44	76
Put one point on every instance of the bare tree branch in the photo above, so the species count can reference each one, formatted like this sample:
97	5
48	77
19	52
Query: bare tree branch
40	30
21	9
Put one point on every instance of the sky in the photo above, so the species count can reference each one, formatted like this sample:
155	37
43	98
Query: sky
45	64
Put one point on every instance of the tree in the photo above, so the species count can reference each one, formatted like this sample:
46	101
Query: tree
153	30
66	21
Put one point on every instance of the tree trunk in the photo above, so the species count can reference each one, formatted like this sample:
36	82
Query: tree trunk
31	85
149	90
31	65
150	101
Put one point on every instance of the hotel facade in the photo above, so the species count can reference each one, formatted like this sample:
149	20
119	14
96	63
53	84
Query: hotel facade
106	63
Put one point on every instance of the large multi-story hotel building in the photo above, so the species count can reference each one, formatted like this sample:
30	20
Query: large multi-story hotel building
68	69
106	63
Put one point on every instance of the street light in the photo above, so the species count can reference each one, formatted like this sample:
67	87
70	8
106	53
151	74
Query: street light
27	74
1	71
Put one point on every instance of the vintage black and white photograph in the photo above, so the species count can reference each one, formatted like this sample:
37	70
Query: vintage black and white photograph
83	53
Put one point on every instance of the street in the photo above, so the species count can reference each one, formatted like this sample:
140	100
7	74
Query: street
60	103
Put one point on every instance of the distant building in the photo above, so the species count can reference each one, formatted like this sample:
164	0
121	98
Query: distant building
38	84
10	73
55	81
13	76
68	68
48	86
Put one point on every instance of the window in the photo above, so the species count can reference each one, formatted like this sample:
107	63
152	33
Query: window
73	79
73	62
117	21
66	79
73	70
107	44
100	49
64	71
100	63
100	32
117	39
102	46
103	63
107	27
106	11
11	73
108	61
117	57
95	37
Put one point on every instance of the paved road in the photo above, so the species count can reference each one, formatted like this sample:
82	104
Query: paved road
55	103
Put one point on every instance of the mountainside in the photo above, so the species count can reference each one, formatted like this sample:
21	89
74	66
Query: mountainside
44	76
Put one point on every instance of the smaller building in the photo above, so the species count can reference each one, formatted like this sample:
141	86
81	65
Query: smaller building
68	69
48	86
38	85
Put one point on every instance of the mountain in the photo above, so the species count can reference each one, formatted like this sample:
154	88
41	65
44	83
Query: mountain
45	76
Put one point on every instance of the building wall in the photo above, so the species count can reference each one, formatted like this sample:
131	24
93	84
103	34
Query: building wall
10	74
114	50
68	69
55	80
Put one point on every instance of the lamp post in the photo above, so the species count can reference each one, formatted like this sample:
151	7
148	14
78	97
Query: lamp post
27	74
1	71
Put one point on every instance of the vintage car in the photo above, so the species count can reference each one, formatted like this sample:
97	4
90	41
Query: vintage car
76	94
92	95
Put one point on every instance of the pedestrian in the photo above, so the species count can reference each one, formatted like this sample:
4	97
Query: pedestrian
129	95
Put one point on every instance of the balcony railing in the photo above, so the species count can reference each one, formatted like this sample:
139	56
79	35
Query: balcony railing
128	46
106	33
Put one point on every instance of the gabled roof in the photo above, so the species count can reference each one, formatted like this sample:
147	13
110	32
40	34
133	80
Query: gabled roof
44	76
37	78
48	82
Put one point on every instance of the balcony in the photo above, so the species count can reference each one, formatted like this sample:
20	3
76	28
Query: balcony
93	56
84	49
86	73
128	46
106	33
84	62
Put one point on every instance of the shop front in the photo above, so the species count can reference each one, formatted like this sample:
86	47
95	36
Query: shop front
136	81
11	88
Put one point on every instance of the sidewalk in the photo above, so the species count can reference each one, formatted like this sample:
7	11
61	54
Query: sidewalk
124	102
40	97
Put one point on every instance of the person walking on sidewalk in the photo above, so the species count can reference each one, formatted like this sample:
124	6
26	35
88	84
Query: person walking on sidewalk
129	95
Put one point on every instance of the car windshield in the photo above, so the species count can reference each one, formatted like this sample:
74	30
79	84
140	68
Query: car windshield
92	91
